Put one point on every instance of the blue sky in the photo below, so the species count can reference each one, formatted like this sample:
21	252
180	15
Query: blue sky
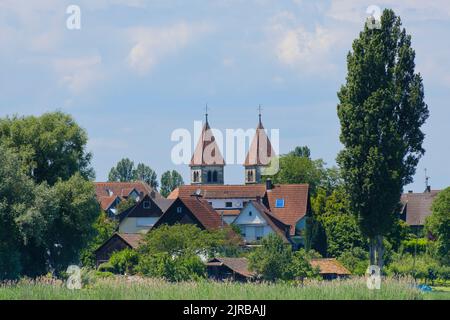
137	70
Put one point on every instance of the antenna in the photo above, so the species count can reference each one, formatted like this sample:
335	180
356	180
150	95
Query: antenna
206	112
427	178
259	111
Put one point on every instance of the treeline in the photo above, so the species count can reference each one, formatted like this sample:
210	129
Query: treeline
126	171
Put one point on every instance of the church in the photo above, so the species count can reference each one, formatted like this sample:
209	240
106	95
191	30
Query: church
207	163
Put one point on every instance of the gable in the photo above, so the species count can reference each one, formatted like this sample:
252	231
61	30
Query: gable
246	218
146	208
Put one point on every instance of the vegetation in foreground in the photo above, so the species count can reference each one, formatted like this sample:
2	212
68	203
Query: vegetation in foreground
119	288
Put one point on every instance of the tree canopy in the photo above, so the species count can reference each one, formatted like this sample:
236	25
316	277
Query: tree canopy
170	180
381	110
49	147
125	171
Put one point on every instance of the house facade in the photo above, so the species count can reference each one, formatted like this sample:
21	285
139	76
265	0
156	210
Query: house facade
110	194
141	217
416	207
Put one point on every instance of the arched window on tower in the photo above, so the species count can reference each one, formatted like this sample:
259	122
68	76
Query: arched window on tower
215	176
196	176
250	177
209	176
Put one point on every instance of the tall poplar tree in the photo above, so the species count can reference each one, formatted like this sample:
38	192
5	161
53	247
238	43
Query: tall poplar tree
381	110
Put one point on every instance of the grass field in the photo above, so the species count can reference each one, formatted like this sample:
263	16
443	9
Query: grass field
138	288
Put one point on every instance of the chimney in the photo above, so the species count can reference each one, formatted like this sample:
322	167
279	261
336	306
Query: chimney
269	185
428	189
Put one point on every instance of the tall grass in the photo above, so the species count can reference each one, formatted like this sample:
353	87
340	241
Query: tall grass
154	289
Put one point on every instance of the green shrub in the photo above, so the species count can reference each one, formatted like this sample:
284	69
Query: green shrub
356	260
124	262
419	245
105	267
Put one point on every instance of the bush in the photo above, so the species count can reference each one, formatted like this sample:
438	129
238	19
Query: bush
356	260
172	268
105	267
124	262
419	245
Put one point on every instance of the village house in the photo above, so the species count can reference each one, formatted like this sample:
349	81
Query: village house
416	207
110	194
235	269
118	242
141	217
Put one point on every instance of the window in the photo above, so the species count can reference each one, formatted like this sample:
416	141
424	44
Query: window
196	176
250	213
209	176
210	203
250	175
146	204
259	233
279	203
228	204
144	222
244	203
179	209
214	176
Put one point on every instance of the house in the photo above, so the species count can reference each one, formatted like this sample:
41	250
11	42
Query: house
117	242
235	269
289	203
416	207
141	217
330	268
256	221
110	194
191	210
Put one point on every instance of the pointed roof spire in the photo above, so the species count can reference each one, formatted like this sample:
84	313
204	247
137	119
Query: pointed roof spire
207	151
261	151
259	109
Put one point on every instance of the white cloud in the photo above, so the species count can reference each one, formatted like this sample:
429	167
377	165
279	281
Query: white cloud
296	46
79	74
152	45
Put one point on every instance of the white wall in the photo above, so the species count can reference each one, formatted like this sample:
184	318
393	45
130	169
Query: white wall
137	225
252	223
220	203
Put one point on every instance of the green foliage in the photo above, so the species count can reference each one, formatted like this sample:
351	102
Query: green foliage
146	174
182	239
300	266
124	261
122	172
125	171
356	260
170	180
172	268
438	225
381	110
104	228
302	152
419	245
295	169
273	259
41	227
49	147
332	213
423	267
125	205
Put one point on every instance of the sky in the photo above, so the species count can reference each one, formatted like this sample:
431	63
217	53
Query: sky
137	70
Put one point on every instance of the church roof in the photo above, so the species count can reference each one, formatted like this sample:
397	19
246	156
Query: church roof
261	151
207	151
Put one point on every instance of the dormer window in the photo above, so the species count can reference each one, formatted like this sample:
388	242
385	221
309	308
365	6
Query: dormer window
228	204
279	203
179	209
146	204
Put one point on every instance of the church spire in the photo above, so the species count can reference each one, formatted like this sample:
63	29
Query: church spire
260	122
206	113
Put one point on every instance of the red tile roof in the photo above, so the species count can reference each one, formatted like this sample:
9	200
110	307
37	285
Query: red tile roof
295	197
204	213
228	212
106	202
207	151
238	265
120	189
329	266
417	206
261	151
133	239
221	191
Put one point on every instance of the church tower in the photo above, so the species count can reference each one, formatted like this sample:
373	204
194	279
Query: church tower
207	164
259	155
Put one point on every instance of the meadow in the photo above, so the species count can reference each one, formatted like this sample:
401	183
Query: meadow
126	288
